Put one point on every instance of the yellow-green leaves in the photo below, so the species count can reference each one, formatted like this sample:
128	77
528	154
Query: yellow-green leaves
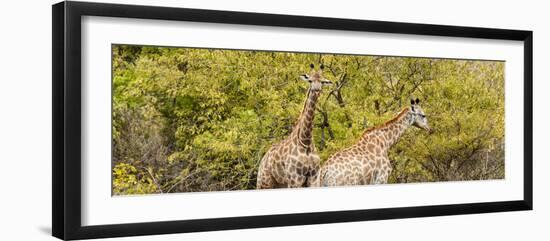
200	120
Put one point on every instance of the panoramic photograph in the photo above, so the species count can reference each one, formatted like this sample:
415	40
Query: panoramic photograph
188	119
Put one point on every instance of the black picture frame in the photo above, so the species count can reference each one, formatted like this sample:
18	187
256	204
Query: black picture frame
66	127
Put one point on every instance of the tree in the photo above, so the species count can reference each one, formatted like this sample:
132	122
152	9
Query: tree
189	119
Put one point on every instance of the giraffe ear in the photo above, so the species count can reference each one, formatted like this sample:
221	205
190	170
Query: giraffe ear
305	77
326	82
417	101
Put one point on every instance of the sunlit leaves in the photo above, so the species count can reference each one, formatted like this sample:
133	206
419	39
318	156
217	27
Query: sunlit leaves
200	120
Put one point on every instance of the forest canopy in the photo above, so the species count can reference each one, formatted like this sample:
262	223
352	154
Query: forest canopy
188	119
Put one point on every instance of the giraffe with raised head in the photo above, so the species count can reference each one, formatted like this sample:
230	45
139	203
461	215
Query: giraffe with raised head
293	161
367	162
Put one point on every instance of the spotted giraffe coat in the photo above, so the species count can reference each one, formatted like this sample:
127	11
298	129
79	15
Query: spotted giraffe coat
367	162
294	162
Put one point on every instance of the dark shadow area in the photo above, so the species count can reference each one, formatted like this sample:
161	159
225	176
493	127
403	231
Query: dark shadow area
45	230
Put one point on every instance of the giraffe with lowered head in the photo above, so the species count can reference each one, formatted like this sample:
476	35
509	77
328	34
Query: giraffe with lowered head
367	162
293	161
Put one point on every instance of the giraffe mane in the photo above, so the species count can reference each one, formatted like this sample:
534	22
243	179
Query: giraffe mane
297	121
390	122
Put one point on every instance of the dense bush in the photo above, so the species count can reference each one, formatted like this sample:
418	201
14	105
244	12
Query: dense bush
200	120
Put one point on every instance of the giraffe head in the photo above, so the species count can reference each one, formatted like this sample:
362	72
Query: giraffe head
418	117
316	78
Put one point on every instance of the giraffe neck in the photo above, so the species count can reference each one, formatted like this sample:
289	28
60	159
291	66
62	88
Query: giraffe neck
302	131
388	134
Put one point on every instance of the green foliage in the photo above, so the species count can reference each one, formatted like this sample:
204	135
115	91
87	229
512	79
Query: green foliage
127	180
200	120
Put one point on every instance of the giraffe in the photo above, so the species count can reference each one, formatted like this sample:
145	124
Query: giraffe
291	162
367	162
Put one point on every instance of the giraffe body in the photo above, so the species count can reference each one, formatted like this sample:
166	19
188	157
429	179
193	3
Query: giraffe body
293	162
367	162
287	165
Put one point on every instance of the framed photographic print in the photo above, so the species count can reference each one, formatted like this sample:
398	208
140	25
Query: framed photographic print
169	120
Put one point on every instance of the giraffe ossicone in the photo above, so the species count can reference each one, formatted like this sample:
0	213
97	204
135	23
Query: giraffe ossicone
367	162
293	162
